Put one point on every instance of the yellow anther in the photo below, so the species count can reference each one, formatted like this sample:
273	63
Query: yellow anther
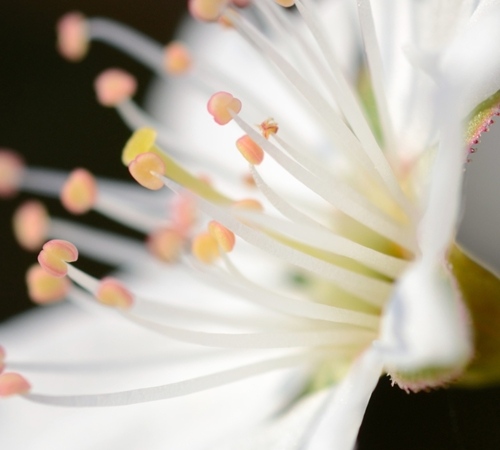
251	151
268	128
177	58
249	204
113	86
31	224
224	237
72	36
166	244
222	105
145	168
79	192
141	141
55	255
11	172
285	3
44	288
13	384
205	248
112	292
207	10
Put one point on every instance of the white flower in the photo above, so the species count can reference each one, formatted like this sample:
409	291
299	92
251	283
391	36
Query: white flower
361	202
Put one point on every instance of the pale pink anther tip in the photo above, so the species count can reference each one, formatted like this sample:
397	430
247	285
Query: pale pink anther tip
31	224
112	292
166	244
44	288
177	58
285	3
222	106
72	36
13	384
145	168
79	192
250	150
113	86
55	255
225	238
11	172
207	10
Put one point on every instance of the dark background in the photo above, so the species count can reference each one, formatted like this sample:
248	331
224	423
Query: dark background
48	113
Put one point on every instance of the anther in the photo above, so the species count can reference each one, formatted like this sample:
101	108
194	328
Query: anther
113	86
140	142
79	192
224	237
268	128
248	204
177	59
72	36
44	288
145	168
13	384
221	105
112	292
165	244
31	224
55	255
207	10
285	3
11	172
251	151
205	248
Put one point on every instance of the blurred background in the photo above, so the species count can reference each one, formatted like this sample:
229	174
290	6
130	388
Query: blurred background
48	113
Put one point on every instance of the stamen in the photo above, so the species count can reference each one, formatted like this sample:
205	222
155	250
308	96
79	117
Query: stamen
222	106
114	86
177	59
79	192
31	224
251	151
248	204
166	244
285	3
72	36
205	248
180	388
55	255
235	282
143	140
373	291
113	293
44	288
11	172
145	168
278	339
338	194
13	384
268	128
224	237
207	10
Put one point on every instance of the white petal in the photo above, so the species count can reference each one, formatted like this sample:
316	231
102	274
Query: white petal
338	426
